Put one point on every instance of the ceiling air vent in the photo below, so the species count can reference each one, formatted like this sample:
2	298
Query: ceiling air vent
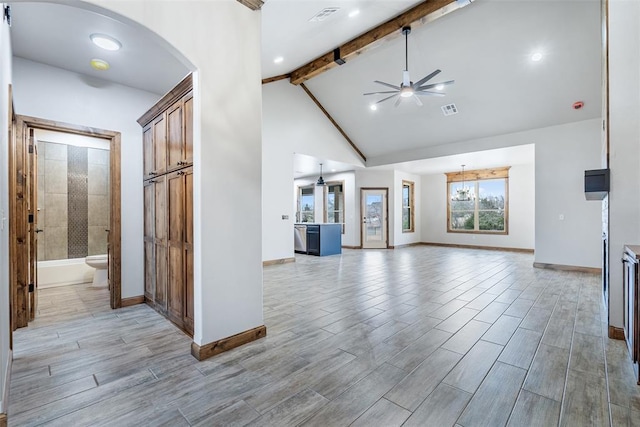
324	14
449	110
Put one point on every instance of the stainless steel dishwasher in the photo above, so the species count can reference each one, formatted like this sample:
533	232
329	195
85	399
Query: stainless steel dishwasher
300	238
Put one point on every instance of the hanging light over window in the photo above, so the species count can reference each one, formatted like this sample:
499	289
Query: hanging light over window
320	180
463	194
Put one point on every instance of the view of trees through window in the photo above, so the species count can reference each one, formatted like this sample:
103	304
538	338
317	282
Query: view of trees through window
334	207
484	212
306	204
407	206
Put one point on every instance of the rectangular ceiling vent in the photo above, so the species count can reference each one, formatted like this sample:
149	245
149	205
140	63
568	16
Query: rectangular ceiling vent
324	14
449	110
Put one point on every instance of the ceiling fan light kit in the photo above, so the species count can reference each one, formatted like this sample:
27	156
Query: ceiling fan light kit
407	88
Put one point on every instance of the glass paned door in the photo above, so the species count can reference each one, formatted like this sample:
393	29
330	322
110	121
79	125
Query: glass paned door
374	218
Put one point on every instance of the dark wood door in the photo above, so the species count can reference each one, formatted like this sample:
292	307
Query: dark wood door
188	250
18	230
160	243
175	265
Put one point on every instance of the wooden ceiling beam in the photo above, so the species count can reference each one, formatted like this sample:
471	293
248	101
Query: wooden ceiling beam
252	4
369	39
276	78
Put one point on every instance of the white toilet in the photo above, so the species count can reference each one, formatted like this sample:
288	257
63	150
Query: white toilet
99	262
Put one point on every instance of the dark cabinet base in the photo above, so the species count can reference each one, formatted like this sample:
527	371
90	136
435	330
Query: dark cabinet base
324	239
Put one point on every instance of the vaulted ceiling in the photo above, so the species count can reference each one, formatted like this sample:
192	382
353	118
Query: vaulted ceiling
485	46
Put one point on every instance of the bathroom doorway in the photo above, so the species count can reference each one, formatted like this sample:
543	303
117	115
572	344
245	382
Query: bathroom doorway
72	215
74	185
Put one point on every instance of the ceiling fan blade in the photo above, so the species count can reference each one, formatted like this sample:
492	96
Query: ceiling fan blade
426	93
398	101
384	99
377	93
387	84
415	98
426	78
431	86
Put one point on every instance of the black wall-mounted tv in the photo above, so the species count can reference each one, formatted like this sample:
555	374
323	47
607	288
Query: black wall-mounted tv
596	184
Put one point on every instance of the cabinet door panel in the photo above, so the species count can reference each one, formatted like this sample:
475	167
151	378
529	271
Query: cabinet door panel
188	128
161	278
175	214
148	210
160	145
160	209
147	142
175	140
149	272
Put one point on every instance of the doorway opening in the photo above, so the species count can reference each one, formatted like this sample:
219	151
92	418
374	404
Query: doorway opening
374	233
26	226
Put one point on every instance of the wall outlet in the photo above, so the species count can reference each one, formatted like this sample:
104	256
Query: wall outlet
285	217
561	217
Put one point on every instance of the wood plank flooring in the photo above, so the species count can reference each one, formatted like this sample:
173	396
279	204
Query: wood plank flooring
419	336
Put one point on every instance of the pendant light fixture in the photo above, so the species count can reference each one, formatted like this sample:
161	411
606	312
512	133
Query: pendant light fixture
463	194
320	180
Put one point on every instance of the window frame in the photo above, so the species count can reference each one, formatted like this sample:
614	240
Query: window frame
299	203
325	204
473	178
411	186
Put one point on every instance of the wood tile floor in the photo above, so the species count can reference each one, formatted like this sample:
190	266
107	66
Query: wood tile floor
420	336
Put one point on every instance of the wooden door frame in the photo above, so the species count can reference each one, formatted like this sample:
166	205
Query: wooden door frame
386	219
115	242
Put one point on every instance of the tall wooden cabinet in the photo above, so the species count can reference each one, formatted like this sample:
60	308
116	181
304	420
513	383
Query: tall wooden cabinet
168	205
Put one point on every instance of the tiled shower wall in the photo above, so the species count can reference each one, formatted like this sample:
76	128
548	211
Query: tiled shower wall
73	201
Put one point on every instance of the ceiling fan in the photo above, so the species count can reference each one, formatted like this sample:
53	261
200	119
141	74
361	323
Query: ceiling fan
407	88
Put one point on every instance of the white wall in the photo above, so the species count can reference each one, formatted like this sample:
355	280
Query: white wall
221	39
5	80
624	148
292	123
55	94
563	153
400	237
521	212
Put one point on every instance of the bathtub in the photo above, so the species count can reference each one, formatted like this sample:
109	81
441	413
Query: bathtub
63	272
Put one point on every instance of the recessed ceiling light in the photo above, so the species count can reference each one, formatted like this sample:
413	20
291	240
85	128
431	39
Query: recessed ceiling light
439	87
278	60
536	57
100	64
353	13
106	42
374	107
333	170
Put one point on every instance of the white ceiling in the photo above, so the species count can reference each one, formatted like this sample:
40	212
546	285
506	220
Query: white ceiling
58	35
485	47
